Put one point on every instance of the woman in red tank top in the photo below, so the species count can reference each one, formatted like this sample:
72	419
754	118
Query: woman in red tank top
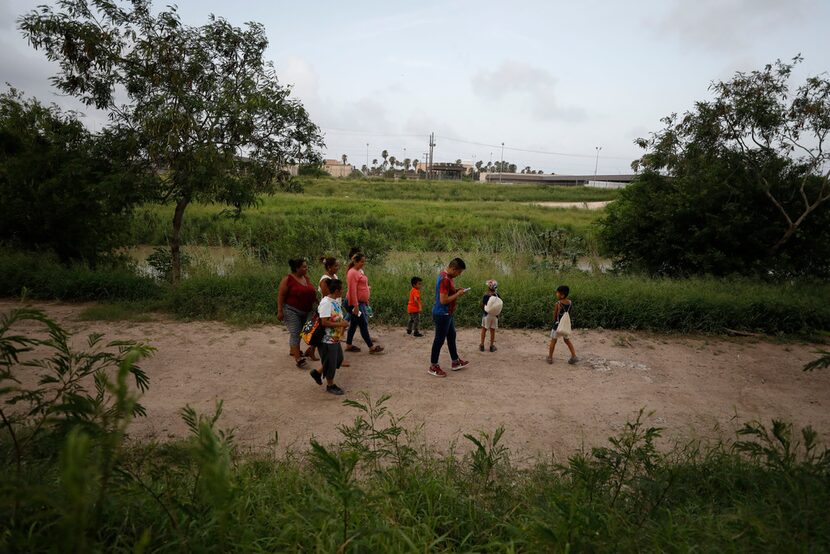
295	299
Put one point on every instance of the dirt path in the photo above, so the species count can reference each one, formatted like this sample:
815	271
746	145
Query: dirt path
695	384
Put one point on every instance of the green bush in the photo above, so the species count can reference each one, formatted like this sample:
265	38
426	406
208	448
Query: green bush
41	276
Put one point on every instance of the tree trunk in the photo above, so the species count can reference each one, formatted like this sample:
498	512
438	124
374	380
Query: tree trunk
175	241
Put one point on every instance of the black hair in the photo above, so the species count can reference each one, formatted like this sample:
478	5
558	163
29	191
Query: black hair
335	285
355	258
415	281
564	289
295	264
328	261
458	263
354	250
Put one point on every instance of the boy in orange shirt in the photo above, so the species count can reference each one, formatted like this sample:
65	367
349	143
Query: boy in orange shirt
414	308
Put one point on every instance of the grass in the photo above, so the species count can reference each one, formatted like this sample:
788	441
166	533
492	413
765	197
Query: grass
451	191
247	294
120	311
290	223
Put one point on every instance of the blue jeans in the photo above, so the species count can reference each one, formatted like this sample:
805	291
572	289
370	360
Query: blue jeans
444	331
361	321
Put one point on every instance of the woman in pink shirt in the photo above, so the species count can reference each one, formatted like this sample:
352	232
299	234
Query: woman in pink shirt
357	297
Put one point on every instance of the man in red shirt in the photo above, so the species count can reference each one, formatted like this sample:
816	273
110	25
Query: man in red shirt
446	297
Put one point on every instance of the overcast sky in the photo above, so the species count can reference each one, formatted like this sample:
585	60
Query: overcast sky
550	76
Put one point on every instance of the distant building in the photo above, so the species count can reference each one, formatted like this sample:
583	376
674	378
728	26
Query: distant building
336	168
608	180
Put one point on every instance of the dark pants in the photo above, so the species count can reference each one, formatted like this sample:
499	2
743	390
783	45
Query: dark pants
331	357
414	323
444	331
363	322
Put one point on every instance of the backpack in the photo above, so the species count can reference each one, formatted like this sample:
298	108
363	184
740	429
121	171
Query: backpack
564	327
494	306
313	331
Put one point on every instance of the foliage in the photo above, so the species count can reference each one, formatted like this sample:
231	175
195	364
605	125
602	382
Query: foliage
161	260
247	294
62	188
739	184
822	362
205	107
311	170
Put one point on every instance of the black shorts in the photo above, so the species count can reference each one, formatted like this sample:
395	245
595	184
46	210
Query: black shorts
331	356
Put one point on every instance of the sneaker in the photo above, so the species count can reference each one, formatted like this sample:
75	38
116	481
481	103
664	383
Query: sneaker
436	371
417	334
573	360
318	378
493	348
481	348
334	389
459	364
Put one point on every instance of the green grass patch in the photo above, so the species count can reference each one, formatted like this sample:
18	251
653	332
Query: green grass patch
120	311
451	191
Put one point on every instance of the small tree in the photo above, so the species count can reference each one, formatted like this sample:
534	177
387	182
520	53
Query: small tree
207	110
345	158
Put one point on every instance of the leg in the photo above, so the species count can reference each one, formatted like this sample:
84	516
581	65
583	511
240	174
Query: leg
417	319
551	348
442	324
483	336
294	321
410	324
492	336
353	323
363	323
570	346
451	339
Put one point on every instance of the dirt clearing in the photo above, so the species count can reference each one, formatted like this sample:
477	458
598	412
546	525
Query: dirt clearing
697	386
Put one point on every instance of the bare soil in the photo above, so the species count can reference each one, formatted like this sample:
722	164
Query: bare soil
697	386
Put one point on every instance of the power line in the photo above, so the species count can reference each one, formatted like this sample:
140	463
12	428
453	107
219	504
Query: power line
530	151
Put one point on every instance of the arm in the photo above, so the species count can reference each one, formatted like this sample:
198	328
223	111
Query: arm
351	294
447	298
327	322
555	311
324	287
281	294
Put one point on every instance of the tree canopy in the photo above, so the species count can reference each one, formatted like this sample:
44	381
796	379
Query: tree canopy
739	184
61	187
208	112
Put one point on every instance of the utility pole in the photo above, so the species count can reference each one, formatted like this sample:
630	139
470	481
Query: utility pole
596	164
502	162
367	157
431	147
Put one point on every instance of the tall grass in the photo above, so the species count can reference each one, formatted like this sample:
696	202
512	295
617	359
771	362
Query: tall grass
295	224
79	486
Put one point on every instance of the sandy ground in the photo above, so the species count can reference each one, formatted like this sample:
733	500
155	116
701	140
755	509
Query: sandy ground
580	205
697	386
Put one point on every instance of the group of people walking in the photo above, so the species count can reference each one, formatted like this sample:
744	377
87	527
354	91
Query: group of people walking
336	314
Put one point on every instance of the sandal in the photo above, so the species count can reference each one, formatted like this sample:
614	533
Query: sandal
549	359
345	364
301	362
352	348
376	349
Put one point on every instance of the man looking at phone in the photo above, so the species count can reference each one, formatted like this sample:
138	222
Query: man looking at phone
446	296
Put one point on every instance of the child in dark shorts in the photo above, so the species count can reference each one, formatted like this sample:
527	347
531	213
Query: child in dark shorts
331	353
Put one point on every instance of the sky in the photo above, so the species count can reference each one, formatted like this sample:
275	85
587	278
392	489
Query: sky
566	86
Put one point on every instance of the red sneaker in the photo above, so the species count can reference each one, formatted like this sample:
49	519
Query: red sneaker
459	364
436	371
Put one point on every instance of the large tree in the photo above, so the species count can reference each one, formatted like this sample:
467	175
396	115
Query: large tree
739	184
61	187
207	109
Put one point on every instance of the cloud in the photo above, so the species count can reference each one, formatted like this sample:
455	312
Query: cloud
524	81
728	24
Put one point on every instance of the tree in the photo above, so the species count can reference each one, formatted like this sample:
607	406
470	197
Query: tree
384	155
61	187
415	163
478	166
345	158
771	132
407	163
393	161
204	106
736	185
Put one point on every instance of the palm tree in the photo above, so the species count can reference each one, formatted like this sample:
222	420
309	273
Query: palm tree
415	163
344	157
393	161
406	164
384	155
458	161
